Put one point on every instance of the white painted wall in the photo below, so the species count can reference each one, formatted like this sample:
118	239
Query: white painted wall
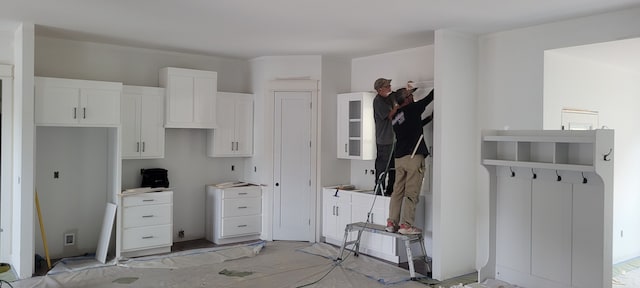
400	66
6	46
184	148
510	80
24	150
455	153
263	70
336	78
571	82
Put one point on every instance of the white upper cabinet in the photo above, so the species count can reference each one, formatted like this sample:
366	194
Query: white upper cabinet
190	97
234	135
142	122
356	127
70	102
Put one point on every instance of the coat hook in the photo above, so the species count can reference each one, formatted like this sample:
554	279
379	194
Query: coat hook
534	174
606	156
513	174
559	177
584	180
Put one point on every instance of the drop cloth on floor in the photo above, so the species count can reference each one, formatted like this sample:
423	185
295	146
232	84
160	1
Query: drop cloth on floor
271	264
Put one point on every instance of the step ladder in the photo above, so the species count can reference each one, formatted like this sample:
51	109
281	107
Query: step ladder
380	229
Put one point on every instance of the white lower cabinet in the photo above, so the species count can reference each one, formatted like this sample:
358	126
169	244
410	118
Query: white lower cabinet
146	224
341	207
336	214
233	214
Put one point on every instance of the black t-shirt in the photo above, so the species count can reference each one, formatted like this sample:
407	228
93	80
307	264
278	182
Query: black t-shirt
407	125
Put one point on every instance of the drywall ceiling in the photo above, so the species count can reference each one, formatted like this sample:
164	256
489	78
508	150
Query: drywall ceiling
248	29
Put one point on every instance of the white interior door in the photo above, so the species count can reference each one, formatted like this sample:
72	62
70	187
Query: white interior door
292	203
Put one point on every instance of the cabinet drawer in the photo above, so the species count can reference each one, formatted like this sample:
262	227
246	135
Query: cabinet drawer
146	237
243	225
241	192
148	199
147	215
241	207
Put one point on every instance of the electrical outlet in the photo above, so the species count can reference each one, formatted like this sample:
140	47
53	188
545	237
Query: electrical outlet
69	239
181	234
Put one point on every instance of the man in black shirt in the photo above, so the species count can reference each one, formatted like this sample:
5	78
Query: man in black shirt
410	152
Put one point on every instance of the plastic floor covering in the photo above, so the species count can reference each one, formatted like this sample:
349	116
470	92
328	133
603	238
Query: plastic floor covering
261	264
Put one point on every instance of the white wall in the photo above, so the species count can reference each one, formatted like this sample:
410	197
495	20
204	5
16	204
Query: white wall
571	82
454	154
185	149
510	80
6	46
336	78
24	150
400	66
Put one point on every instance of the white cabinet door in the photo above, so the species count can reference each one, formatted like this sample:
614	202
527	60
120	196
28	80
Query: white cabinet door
222	139
56	105
99	106
142	122
233	136
244	125
190	97
204	100
179	100
130	119
152	124
337	213
356	127
71	102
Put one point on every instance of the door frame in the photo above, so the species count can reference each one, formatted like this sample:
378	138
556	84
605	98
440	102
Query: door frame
274	86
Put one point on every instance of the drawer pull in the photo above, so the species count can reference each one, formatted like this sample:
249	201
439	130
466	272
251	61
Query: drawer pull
242	207
242	193
148	200
147	237
147	216
242	225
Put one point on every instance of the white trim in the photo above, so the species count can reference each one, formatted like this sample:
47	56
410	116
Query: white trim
6	170
293	85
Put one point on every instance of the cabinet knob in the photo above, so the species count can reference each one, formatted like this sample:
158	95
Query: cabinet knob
277	184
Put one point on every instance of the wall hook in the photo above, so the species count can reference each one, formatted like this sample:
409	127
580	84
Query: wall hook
534	174
584	180
559	177
513	174
606	156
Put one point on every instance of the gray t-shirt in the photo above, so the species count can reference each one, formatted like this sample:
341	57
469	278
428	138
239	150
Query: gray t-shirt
381	108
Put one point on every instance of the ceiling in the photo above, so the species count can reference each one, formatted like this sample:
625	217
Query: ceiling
247	29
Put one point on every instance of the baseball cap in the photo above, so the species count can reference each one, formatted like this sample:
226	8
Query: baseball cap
381	82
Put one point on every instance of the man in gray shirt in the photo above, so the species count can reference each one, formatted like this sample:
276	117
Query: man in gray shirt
384	107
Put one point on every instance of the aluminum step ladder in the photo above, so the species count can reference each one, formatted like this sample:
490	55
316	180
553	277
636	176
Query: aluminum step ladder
380	229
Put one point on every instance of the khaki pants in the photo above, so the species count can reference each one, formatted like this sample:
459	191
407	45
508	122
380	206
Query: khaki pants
406	189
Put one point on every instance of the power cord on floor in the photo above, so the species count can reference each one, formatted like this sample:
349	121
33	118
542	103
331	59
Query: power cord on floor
2	282
375	196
